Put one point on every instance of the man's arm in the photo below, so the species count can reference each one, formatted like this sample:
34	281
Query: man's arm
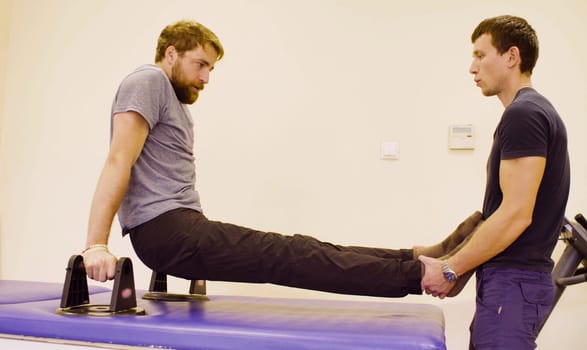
519	180
129	133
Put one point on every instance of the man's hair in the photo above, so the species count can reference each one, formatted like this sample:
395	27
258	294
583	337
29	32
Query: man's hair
184	36
507	31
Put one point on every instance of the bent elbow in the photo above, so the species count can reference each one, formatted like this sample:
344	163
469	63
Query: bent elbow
523	222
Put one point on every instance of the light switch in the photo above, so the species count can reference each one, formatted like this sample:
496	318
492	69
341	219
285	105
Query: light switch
390	150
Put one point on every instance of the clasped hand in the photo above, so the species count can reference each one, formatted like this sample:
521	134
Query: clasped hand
433	281
100	265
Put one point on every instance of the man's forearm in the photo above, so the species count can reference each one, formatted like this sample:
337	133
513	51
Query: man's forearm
493	236
110	191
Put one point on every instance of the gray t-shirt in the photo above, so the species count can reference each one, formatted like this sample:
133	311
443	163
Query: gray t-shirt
163	177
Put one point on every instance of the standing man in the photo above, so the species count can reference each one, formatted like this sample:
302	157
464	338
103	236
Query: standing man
149	180
528	179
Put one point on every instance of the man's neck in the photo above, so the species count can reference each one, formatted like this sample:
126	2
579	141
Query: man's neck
507	95
165	68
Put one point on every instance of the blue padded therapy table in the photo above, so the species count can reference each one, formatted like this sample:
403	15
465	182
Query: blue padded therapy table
28	313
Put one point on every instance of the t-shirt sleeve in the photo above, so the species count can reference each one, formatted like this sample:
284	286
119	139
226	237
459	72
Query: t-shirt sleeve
141	92
523	132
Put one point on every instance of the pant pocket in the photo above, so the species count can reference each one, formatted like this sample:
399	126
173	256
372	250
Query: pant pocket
539	298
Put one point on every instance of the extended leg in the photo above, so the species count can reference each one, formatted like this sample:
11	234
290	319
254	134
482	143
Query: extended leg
186	244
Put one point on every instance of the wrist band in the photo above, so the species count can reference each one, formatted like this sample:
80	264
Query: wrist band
96	246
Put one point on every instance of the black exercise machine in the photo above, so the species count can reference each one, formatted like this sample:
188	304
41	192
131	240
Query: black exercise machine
571	267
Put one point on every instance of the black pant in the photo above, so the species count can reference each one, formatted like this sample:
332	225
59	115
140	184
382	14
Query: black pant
185	244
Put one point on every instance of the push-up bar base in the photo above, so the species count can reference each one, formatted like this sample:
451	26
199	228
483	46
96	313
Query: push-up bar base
75	299
158	290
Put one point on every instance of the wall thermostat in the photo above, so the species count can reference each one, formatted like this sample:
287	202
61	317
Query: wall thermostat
461	136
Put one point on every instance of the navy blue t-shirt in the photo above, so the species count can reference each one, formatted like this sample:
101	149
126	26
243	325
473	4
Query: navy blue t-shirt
530	126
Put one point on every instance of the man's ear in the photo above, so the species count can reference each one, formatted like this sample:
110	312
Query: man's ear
513	56
170	54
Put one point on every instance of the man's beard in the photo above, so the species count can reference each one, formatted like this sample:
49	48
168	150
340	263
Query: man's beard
183	90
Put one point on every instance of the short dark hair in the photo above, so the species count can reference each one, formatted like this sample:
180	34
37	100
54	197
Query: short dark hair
507	31
186	35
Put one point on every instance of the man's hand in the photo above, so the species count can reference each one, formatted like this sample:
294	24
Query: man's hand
433	281
100	264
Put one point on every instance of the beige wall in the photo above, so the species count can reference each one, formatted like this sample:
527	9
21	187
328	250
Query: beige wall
5	20
289	129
